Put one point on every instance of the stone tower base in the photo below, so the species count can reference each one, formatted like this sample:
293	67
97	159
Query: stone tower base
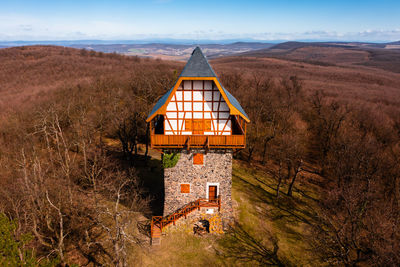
215	171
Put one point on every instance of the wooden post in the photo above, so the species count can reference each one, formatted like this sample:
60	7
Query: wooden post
188	143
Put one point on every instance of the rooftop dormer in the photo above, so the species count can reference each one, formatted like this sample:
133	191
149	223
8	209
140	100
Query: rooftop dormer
198	112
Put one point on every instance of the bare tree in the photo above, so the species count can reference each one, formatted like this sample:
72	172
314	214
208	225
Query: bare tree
359	215
325	119
297	169
118	218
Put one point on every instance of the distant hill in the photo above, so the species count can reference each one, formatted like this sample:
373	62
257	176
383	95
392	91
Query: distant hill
181	50
175	51
295	45
394	43
383	56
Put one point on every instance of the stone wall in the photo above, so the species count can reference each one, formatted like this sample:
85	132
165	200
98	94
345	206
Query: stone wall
216	169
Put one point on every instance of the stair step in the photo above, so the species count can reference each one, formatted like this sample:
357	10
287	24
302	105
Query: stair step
156	233
156	241
159	222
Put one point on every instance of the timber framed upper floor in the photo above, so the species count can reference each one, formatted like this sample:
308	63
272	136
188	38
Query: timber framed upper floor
198	112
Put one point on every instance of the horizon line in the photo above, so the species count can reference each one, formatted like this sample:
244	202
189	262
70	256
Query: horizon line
188	41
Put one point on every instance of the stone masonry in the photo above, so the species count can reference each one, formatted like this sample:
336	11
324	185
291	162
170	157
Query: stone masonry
216	170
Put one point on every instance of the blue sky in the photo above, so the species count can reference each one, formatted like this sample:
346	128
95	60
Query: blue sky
203	19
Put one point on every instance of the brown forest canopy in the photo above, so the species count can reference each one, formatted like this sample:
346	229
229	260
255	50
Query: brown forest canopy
60	107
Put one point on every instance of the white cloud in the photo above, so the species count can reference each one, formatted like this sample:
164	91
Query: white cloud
21	27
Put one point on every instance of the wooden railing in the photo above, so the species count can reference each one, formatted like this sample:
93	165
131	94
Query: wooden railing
159	222
198	141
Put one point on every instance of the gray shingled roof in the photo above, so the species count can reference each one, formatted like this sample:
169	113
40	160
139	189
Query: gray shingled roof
198	66
160	102
235	103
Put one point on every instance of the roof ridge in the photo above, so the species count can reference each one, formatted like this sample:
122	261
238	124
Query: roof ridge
197	65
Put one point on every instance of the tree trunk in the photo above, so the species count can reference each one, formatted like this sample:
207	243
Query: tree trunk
136	148
136	137
278	187
289	170
251	150
101	140
264	152
279	180
296	172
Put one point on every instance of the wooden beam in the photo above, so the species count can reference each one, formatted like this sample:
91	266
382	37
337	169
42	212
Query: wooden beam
233	110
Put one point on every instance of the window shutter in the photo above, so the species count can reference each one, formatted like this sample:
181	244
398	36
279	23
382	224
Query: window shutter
198	159
185	188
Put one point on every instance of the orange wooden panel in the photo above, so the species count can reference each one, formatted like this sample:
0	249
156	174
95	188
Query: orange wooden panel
198	127
188	125
160	140
185	188
207	125
198	159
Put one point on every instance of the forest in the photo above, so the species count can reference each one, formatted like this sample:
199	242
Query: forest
77	175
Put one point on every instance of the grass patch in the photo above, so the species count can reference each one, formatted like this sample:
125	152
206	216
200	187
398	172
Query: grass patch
287	218
183	249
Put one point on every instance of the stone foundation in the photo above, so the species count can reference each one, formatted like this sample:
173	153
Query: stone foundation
216	170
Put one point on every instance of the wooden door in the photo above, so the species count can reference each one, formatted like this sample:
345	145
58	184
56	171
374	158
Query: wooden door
212	193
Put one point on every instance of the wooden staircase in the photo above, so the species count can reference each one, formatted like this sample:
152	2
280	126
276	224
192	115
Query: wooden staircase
158	223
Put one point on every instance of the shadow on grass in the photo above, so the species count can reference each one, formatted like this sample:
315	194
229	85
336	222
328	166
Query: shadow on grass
240	245
289	208
286	212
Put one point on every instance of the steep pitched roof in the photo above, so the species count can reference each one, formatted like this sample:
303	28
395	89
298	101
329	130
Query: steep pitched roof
160	102
198	66
235	103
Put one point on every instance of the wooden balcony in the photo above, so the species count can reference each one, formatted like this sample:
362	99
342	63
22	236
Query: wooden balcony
198	141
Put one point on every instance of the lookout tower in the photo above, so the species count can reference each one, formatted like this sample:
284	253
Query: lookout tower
202	124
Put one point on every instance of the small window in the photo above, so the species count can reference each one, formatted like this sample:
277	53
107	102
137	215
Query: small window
198	159
185	188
